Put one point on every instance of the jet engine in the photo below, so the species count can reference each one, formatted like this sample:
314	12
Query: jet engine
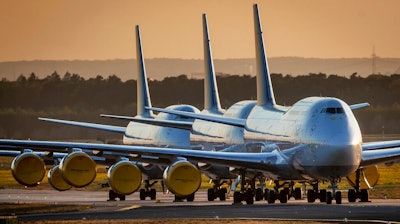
55	179
182	178
78	169
124	177
28	169
369	176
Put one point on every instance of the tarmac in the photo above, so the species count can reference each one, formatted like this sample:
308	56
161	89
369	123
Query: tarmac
376	211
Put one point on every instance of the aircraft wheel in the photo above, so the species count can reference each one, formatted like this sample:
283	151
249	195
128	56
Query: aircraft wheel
297	193
222	194
258	194
329	198
142	194
210	194
322	195
112	195
351	195
271	197
237	197
310	196
153	194
283	197
364	195
249	197
122	197
266	194
190	198
338	197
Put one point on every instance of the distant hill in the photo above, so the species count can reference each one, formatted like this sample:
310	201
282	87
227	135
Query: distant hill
159	68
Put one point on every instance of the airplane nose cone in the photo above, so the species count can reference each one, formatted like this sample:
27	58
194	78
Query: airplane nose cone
340	157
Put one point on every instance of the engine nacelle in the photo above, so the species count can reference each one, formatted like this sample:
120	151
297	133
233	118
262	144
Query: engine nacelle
124	177
182	178
28	169
78	169
369	173
56	181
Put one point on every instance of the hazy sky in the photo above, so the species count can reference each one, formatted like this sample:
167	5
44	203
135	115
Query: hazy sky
100	29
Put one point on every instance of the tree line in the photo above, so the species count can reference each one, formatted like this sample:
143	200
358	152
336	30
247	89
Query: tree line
74	98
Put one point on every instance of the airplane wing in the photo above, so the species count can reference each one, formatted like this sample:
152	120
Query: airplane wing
186	125
212	118
256	161
102	127
380	152
359	105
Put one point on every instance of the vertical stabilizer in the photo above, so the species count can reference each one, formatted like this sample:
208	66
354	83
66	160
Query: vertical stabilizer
211	96
143	96
265	93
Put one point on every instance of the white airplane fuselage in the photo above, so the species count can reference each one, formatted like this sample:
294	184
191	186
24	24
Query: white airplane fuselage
152	135
318	137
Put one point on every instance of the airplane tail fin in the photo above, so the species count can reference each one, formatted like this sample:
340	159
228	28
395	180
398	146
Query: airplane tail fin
211	96
265	92
143	96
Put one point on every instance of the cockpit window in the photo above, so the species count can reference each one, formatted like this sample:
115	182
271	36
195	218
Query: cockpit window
333	110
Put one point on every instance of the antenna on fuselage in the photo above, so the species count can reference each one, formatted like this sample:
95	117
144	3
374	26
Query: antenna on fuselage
211	95
143	96
265	92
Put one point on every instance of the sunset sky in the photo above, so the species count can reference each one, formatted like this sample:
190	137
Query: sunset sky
100	29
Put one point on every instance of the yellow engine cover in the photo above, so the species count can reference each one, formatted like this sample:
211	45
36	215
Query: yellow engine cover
182	178
124	177
370	173
28	169
56	181
78	169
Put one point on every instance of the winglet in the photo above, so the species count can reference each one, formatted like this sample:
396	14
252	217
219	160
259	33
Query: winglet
359	105
143	96
211	97
265	93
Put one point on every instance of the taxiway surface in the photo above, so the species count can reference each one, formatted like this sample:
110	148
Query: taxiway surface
164	207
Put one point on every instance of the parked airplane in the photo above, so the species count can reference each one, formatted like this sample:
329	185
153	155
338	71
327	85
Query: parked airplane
161	130
317	139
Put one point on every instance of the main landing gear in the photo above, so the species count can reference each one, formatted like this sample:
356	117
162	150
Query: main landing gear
112	195
245	194
358	193
189	198
147	191
282	195
323	195
217	191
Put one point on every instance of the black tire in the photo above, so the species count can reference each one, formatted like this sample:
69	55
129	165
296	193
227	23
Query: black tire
329	198
122	197
258	194
153	194
310	196
222	194
322	195
190	198
266	194
283	197
210	194
142	194
237	197
297	193
249	197
271	197
364	195
112	195
351	195
338	198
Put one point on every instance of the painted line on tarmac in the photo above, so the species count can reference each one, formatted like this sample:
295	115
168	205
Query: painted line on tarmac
130	208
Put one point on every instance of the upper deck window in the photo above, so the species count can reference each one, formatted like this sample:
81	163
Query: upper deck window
333	110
